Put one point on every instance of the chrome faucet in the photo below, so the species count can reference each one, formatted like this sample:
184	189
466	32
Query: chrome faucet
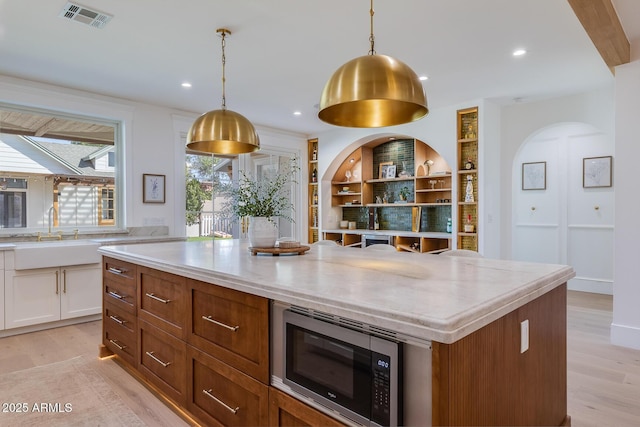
51	210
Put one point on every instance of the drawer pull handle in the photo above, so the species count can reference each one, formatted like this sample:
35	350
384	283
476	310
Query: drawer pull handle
115	319
115	270
153	296
164	364
231	328
116	295
229	408
121	347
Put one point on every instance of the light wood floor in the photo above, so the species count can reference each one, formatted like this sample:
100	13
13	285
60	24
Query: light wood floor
55	345
603	380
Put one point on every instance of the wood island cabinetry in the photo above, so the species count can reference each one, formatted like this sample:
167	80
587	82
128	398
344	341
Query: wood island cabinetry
464	364
202	347
284	410
120	320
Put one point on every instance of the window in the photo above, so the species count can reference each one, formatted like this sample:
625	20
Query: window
13	204
68	166
107	206
204	171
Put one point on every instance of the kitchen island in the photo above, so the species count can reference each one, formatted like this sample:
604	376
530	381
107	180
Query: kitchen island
469	311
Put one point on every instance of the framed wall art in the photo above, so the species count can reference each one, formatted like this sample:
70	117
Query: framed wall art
534	176
153	188
597	172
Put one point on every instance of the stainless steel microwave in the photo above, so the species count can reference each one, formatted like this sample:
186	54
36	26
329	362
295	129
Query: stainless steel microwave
355	373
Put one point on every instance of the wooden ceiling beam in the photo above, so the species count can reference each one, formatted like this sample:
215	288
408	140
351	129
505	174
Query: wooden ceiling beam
600	21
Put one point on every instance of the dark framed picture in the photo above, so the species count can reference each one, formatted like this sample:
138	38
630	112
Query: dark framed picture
153	188
597	172
534	176
382	171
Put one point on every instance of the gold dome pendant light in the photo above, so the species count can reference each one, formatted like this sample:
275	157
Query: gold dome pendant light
223	131
373	91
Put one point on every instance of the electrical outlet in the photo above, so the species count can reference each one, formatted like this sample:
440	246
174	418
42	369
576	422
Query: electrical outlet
524	336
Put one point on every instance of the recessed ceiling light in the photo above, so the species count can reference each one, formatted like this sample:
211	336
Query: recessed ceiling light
297	113
519	52
186	84
423	78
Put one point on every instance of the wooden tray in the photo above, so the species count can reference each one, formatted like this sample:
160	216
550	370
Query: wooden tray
300	250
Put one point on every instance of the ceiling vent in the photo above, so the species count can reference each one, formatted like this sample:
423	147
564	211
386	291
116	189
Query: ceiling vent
81	14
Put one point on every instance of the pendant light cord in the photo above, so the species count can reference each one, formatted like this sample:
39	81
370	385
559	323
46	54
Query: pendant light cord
372	38
224	60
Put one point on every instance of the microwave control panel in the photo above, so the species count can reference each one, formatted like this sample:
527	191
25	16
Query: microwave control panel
381	390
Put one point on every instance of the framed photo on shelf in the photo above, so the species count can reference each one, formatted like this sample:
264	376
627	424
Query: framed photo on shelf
153	188
391	172
597	172
534	176
382	170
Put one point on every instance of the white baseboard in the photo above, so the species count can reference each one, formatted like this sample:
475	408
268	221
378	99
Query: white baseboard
590	285
625	336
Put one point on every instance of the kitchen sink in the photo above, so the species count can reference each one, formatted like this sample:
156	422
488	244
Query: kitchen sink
55	253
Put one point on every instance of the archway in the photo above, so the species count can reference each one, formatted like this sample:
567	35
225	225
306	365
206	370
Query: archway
555	218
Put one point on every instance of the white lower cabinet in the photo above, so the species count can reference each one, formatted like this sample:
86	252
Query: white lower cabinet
48	294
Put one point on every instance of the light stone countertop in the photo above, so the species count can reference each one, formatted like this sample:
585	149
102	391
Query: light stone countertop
113	240
428	297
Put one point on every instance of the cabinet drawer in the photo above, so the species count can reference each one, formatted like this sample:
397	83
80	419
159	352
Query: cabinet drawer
162	360
222	396
232	326
122	295
284	410
162	300
115	318
121	343
118	271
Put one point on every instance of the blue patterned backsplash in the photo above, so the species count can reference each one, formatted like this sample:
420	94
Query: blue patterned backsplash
399	152
398	218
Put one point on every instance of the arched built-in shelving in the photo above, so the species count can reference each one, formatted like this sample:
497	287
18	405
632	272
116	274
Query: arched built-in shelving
367	187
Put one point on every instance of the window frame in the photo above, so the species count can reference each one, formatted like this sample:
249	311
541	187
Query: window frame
108	226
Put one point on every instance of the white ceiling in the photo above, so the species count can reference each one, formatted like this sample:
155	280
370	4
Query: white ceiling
282	52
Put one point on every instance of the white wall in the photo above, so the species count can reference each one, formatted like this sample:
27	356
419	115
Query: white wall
521	121
152	144
625	329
